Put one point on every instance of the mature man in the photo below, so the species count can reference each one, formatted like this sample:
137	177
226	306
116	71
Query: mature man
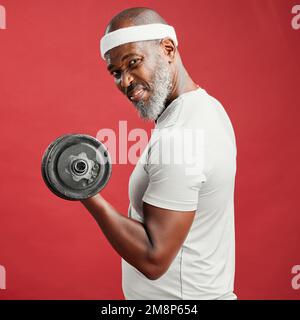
178	239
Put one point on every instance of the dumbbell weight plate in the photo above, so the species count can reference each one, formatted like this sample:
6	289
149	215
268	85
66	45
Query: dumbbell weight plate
76	166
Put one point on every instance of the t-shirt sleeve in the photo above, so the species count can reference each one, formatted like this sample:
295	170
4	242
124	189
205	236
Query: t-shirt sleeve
175	167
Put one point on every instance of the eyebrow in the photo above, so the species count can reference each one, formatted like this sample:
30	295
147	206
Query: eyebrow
111	66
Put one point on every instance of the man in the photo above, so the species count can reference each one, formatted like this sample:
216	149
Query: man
178	239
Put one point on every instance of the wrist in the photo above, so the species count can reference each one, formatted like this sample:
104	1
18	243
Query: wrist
91	200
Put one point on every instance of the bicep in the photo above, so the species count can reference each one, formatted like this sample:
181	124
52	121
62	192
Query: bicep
167	230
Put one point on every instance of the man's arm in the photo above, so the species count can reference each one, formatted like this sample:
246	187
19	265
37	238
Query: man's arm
150	246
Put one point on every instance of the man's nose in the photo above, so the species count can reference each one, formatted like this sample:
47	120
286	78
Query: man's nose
126	80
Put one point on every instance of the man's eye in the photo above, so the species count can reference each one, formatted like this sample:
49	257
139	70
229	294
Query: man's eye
116	74
132	62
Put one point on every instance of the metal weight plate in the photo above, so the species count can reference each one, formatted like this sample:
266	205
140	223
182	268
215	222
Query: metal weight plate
76	166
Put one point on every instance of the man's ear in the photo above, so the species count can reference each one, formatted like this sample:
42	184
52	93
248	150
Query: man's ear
168	48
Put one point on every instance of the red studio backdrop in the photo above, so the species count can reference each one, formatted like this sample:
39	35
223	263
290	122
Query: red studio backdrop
53	81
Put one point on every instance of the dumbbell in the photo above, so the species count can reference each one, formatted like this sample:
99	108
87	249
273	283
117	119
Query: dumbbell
76	166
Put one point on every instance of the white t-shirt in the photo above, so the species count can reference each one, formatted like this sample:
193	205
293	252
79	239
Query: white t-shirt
205	264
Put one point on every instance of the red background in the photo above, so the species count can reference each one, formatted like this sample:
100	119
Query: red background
52	81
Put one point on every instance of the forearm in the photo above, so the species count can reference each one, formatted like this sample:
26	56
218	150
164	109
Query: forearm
127	236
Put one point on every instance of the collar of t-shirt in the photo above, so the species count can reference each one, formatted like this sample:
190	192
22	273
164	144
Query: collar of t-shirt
169	115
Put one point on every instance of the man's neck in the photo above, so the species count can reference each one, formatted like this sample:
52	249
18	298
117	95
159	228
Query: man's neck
182	83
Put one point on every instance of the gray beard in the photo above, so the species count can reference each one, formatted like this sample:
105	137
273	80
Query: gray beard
162	86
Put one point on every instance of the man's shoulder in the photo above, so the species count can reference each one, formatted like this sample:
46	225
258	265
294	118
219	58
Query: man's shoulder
198	100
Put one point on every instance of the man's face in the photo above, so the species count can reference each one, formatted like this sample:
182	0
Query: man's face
143	74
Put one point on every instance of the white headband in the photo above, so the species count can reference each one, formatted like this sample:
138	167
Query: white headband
145	32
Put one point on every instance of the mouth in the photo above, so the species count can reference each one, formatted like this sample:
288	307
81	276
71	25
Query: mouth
136	95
